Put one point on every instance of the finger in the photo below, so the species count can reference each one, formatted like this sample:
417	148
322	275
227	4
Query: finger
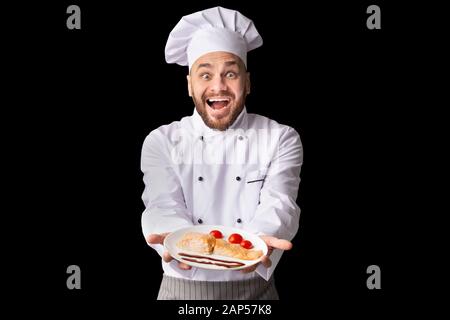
249	269
167	257
266	262
184	266
156	238
277	243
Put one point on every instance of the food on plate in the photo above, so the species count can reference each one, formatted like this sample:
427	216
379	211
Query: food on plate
213	244
197	242
213	261
216	234
246	244
235	238
224	248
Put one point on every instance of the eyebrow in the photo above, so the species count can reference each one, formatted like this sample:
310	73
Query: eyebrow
204	65
230	63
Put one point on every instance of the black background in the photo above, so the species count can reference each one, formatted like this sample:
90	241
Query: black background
84	100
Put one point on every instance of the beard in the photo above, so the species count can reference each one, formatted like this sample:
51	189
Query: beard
224	123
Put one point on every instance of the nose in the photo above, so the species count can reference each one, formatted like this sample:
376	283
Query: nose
218	84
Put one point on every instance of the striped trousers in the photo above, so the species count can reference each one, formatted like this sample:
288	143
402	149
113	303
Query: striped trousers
181	289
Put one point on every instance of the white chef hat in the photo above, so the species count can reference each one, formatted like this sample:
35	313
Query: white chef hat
210	30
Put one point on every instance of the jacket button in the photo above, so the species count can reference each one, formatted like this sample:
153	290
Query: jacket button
200	221
238	178
241	138
200	178
239	220
201	138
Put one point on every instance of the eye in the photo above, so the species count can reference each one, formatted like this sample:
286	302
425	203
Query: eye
205	76
231	75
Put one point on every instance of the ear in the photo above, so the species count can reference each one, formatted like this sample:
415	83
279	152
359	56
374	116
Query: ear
188	77
247	84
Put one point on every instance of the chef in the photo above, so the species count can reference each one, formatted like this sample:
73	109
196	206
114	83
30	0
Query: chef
222	165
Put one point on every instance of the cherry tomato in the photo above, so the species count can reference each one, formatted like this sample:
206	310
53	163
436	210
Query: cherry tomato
246	244
235	238
216	234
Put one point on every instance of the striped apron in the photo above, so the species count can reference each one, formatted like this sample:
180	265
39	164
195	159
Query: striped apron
181	289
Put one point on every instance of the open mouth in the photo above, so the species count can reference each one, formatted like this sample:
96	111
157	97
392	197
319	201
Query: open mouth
218	103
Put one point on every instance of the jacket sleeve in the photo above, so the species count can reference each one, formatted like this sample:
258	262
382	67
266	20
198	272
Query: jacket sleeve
278	213
165	208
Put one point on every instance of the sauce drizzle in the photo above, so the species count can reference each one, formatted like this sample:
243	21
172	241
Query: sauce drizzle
213	261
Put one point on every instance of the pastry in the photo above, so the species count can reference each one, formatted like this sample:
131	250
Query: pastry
197	242
224	248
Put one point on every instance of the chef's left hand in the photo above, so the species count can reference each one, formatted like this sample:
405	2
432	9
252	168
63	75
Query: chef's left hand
272	243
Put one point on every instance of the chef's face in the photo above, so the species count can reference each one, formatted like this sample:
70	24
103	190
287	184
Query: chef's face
218	83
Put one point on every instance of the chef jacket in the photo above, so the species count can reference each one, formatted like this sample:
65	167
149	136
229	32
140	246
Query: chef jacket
245	177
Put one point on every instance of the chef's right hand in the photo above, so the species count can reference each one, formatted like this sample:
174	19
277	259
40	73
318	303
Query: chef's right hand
159	239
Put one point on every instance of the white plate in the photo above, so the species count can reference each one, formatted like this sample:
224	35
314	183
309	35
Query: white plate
171	240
